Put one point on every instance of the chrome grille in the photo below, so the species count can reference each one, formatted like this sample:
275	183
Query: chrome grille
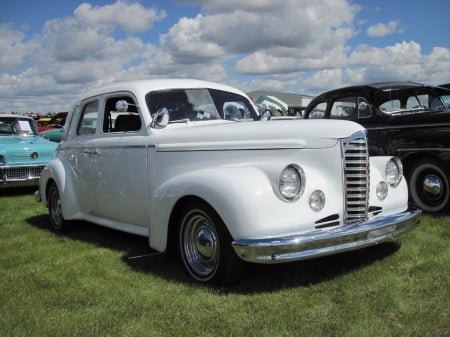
21	173
356	177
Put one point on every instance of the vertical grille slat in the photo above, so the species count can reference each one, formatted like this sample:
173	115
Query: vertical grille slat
356	177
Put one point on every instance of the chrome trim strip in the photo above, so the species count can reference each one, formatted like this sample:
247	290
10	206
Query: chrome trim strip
327	241
143	146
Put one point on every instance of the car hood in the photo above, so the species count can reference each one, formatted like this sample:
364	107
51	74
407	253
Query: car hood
277	134
21	150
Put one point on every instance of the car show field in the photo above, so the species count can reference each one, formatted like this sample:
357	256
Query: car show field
94	281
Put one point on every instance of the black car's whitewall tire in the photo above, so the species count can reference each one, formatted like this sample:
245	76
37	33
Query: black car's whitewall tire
429	186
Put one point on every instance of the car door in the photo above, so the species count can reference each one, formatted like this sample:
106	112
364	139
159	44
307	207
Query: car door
120	172
81	154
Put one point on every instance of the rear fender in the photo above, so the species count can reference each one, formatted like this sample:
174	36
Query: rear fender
57	173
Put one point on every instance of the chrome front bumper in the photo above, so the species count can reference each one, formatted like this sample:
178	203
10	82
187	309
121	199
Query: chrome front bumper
20	175
326	242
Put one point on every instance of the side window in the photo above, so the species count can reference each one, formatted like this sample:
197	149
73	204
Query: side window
121	121
391	105
413	103
318	111
344	108
88	120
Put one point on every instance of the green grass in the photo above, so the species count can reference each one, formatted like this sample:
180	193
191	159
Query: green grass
98	282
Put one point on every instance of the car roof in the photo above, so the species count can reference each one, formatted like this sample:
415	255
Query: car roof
142	87
15	116
371	87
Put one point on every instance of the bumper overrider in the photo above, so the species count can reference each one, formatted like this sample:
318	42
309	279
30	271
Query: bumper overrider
326	242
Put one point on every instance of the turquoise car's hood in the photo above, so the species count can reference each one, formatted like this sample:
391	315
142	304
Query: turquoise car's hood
26	150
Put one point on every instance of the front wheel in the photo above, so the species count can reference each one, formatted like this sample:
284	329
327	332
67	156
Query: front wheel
429	186
205	245
54	209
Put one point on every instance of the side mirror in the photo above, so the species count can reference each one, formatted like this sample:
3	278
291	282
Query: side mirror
265	116
160	118
362	106
122	106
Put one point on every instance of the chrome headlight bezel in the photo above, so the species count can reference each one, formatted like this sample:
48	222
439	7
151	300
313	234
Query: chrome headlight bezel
291	182
394	171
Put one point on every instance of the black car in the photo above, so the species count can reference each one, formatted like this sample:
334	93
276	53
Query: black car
406	119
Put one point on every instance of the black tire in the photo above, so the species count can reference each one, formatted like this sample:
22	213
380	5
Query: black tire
54	209
204	245
429	186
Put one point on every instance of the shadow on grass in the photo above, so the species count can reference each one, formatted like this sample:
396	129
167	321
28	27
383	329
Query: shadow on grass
17	191
258	278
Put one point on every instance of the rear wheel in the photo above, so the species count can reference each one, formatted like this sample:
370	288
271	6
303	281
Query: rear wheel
429	186
54	209
205	245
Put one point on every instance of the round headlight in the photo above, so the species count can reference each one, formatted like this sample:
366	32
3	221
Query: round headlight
292	182
394	171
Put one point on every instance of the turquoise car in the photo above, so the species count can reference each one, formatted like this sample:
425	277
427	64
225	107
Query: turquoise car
23	153
54	135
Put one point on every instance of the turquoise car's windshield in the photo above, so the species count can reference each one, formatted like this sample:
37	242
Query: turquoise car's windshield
10	126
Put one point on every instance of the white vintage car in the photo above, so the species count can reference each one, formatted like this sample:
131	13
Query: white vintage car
190	165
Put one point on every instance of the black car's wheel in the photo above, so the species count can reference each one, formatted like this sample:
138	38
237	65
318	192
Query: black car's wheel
429	186
54	209
205	245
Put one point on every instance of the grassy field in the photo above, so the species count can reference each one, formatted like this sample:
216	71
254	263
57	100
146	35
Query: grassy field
98	282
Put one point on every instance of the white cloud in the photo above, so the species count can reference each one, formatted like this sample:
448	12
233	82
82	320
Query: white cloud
14	50
285	46
384	29
131	17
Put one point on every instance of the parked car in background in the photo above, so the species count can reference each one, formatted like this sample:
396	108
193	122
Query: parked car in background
446	94
42	123
55	122
172	167
405	119
54	135
23	154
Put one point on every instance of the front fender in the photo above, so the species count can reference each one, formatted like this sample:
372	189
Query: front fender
397	199
238	194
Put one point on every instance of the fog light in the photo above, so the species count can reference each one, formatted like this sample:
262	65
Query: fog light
382	190
317	200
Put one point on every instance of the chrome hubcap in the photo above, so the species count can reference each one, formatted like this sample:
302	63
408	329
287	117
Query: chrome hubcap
205	243
56	210
432	185
199	244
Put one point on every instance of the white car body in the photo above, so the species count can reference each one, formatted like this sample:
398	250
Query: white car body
136	181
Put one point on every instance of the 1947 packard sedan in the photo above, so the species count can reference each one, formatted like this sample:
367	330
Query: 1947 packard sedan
161	159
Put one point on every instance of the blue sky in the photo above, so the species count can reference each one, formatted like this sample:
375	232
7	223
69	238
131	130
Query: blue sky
54	50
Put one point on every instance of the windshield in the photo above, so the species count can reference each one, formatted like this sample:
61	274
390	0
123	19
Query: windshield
10	126
200	105
400	100
445	95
